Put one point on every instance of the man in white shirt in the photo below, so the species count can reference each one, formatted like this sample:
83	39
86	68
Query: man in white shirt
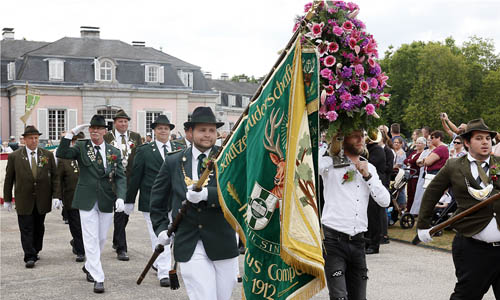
346	192
476	246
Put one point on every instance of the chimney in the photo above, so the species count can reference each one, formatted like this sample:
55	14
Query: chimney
224	76
89	32
208	75
8	33
138	44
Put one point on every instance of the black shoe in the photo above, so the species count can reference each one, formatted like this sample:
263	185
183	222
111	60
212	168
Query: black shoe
242	250
72	243
30	264
98	287
80	258
122	255
240	279
89	277
371	251
385	240
165	282
155	268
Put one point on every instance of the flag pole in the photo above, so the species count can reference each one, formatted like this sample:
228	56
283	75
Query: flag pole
25	102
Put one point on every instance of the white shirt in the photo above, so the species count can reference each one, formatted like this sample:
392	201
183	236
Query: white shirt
490	233
188	143
118	138
160	147
194	167
346	204
28	151
102	150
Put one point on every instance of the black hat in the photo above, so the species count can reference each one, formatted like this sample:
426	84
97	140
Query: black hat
477	125
30	130
163	120
121	114
98	120
203	114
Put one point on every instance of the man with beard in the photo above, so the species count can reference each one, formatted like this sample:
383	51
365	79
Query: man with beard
205	244
347	190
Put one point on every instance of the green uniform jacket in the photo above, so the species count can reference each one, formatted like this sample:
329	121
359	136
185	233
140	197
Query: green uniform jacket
203	221
147	164
68	173
29	191
92	186
109	137
453	175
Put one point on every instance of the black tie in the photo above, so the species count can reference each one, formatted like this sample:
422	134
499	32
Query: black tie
165	151
98	155
200	163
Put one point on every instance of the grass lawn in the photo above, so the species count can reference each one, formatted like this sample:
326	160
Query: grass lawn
442	242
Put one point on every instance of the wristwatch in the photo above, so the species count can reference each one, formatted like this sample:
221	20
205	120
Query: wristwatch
367	177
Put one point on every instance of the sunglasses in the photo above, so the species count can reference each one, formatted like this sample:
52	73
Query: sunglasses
458	143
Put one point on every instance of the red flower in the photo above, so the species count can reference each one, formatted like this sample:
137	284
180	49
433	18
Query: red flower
333	47
132	145
347	26
494	178
346	176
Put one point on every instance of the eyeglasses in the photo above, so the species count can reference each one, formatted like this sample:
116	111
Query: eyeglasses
457	143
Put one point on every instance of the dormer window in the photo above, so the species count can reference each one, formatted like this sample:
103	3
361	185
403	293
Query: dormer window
56	69
153	73
104	69
11	71
186	78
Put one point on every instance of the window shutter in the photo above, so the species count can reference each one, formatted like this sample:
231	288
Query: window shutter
52	70
161	72
97	68
11	71
43	122
61	71
72	118
146	73
141	122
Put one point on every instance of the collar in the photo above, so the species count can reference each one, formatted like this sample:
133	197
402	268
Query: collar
28	151
100	145
472	159
197	153
160	144
119	135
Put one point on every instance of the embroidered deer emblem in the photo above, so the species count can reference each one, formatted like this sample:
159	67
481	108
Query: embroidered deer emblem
276	154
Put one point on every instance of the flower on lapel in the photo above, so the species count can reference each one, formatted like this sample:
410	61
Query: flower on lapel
43	161
494	172
112	158
206	161
348	176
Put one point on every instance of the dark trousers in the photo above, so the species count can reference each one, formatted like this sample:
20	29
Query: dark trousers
120	221
374	233
75	227
477	267
345	266
32	229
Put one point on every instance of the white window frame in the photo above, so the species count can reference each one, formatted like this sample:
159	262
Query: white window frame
149	118
100	66
56	69
149	75
11	71
231	100
55	128
186	77
244	101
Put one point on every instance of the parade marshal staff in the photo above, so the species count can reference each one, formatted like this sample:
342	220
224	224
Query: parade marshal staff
476	246
347	190
147	163
33	172
204	244
101	183
126	141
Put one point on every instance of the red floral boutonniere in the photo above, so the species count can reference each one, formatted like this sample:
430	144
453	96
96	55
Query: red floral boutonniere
43	161
112	157
206	161
494	172
348	176
132	145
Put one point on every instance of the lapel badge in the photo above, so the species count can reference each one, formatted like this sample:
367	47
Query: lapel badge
184	159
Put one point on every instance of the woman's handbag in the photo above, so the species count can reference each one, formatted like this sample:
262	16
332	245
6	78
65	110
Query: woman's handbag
427	179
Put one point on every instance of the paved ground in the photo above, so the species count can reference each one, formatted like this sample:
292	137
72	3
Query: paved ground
400	272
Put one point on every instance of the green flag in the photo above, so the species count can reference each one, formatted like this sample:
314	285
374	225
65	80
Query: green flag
31	102
267	188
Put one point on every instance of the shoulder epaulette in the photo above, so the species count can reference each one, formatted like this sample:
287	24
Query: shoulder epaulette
173	152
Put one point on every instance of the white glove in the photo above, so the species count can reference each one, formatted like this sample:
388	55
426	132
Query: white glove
196	197
79	128
7	206
119	205
56	203
129	208
424	235
164	239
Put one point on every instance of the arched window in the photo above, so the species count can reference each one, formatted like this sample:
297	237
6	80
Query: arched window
106	71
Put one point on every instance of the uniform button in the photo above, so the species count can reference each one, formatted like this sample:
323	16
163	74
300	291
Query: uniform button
200	226
199	209
213	205
494	214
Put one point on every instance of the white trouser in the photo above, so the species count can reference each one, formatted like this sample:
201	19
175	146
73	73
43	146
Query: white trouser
163	262
206	279
95	225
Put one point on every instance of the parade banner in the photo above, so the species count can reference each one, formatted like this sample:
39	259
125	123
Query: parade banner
267	183
32	99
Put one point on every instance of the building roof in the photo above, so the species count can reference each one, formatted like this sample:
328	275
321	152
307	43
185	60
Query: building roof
12	49
233	87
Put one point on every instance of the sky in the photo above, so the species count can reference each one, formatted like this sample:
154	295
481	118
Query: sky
237	37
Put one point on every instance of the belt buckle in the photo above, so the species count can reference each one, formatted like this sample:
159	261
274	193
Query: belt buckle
495	244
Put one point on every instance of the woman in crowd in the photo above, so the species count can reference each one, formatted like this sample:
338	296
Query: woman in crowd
411	162
436	160
458	149
399	158
419	191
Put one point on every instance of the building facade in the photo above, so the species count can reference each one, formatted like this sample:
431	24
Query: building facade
80	77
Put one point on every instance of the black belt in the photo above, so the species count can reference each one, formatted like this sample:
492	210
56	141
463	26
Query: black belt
340	236
493	244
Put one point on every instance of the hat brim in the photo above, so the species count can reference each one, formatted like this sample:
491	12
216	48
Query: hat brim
153	125
467	134
114	118
31	133
191	124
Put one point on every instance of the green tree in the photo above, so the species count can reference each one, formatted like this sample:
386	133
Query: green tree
243	76
489	100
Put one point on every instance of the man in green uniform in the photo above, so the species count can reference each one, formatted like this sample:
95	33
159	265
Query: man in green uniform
205	244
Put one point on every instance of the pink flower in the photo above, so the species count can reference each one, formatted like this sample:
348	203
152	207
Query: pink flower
326	73
382	78
352	43
370	109
345	96
332	116
296	26
333	47
359	69
363	86
347	26
372	62
316	29
373	83
329	61
338	30
322	110
329	89
308	6
322	49
352	6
